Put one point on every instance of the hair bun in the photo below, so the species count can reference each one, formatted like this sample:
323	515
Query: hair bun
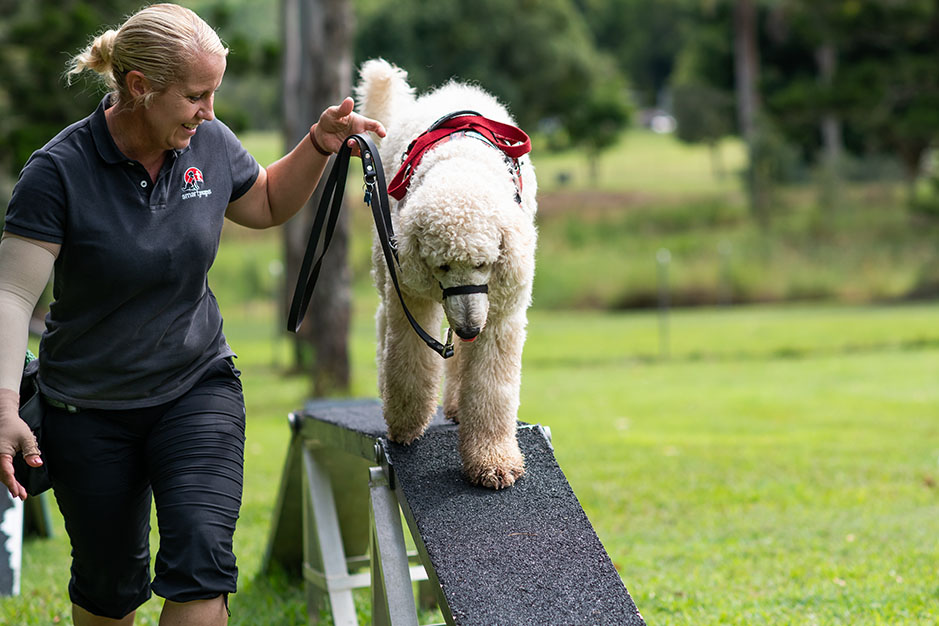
102	50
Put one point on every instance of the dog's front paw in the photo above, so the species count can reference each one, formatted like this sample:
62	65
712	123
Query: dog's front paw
491	464
498	477
496	468
405	436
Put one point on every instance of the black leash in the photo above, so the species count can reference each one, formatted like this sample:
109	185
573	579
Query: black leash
327	214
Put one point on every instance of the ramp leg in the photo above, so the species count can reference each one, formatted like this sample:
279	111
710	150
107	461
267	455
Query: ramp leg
287	522
392	594
322	547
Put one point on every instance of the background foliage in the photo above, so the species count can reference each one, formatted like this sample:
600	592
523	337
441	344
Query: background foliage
37	39
569	69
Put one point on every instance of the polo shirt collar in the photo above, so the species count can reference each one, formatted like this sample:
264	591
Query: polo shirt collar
103	139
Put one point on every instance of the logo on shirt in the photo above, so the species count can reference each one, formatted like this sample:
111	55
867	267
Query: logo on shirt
192	180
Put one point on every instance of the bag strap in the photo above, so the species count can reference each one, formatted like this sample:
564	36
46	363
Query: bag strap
327	214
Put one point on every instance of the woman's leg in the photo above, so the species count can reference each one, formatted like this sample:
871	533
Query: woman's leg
95	461
212	612
195	458
81	617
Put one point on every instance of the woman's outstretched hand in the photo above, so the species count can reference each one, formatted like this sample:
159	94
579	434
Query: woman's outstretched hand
338	122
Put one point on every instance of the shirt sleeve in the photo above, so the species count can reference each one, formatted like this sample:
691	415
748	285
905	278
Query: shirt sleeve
37	206
244	167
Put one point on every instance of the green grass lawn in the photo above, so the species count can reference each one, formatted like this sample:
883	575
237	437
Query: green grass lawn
644	162
780	467
757	485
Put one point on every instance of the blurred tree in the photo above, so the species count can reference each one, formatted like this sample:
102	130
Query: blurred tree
597	122
844	76
250	97
37	39
716	91
645	37
720	64
890	77
750	122
538	56
705	115
317	74
859	76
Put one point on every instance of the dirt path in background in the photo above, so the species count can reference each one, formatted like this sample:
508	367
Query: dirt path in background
590	203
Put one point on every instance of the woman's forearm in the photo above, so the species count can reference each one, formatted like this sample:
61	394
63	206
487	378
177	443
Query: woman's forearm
292	179
25	267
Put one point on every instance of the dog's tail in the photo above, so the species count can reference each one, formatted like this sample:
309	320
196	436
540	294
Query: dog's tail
382	88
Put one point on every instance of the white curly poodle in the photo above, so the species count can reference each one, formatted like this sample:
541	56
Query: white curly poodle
466	219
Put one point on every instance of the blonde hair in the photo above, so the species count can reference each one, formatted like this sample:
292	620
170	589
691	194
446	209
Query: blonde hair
160	41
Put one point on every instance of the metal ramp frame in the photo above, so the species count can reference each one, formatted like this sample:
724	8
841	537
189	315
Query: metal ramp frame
523	555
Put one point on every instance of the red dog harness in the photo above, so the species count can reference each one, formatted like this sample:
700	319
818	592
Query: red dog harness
512	141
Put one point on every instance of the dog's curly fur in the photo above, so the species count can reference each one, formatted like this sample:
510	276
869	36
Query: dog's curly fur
458	224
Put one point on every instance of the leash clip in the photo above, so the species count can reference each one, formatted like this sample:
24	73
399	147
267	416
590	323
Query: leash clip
448	345
368	164
369	175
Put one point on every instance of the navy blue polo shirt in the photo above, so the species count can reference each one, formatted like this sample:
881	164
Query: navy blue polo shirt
133	322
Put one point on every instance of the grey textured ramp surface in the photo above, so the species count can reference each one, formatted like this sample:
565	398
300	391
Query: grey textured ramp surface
523	555
361	416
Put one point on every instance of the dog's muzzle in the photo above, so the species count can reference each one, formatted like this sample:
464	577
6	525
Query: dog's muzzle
466	334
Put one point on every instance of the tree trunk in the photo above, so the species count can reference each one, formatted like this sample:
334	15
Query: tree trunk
911	156
593	167
746	70
317	38
718	171
827	59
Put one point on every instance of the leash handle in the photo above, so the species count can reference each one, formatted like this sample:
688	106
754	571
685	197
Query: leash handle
330	203
376	196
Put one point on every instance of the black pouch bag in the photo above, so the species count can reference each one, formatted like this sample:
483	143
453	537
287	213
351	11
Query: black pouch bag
34	479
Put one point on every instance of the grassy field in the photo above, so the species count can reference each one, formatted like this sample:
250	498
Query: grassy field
751	479
780	467
766	464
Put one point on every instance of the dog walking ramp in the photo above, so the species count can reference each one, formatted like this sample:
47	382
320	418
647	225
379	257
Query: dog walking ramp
522	555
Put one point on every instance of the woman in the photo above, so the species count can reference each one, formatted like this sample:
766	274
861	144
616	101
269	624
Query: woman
142	395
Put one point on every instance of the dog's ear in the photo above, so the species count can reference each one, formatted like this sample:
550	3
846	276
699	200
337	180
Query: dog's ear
414	271
516	265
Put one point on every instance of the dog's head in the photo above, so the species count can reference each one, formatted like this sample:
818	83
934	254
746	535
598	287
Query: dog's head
459	227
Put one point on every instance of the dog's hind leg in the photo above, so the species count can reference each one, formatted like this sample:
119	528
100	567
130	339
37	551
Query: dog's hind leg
410	377
489	399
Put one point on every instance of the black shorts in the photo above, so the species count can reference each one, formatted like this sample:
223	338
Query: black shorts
105	465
